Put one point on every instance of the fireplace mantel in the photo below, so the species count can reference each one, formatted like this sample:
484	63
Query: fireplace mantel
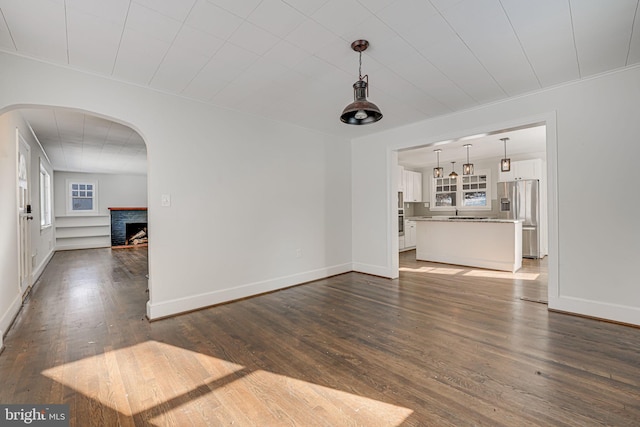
127	209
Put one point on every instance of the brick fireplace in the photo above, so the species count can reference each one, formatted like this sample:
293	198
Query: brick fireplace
126	222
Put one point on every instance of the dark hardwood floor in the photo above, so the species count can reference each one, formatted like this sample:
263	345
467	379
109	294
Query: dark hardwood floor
443	345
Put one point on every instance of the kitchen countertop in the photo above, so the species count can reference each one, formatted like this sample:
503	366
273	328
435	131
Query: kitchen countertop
461	218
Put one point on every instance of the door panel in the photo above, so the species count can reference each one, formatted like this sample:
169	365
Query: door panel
24	214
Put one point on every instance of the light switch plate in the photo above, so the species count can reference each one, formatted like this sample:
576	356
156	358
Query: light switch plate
165	200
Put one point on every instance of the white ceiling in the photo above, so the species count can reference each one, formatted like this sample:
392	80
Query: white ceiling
291	60
79	142
521	143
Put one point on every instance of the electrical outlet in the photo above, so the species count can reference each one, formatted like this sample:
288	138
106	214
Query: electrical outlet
298	253
165	200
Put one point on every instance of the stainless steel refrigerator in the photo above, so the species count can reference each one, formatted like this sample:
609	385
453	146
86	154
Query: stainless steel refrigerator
521	200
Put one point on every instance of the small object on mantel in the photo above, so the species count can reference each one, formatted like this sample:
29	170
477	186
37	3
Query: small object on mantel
128	209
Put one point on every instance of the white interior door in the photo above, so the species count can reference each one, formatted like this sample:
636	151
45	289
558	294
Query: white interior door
24	213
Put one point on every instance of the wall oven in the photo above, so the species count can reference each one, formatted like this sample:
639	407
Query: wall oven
400	213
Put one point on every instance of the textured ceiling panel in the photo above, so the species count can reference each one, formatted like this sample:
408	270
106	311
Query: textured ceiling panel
426	57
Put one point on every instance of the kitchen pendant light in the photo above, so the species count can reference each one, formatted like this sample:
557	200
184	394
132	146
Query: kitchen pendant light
438	171
467	168
453	173
360	111
505	164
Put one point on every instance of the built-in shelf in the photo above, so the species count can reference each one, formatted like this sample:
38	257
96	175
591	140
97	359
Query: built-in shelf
80	226
83	231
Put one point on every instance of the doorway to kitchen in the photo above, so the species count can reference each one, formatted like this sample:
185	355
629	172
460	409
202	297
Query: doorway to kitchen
527	147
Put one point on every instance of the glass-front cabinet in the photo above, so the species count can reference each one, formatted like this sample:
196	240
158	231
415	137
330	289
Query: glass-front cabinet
445	192
462	192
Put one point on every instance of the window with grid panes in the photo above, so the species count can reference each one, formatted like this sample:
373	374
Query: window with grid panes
82	197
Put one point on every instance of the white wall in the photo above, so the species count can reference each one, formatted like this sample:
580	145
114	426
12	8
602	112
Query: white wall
113	190
41	240
591	126
246	193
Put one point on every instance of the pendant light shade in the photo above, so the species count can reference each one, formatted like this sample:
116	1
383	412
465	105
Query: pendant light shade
467	168
438	172
453	173
505	164
360	111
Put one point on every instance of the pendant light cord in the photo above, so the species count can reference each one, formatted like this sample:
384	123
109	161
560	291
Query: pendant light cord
360	66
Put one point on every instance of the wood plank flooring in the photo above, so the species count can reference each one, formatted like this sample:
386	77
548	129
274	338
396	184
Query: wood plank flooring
441	346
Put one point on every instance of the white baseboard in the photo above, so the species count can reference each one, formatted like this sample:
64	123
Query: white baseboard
9	315
181	305
596	309
376	270
35	274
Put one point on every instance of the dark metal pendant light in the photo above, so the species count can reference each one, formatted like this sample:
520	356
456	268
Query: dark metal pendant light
438	171
360	111
467	168
453	173
505	164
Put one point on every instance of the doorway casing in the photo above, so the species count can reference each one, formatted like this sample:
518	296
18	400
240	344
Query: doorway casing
549	120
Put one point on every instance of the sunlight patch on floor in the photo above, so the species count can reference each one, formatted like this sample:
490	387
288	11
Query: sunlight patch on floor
280	400
434	270
502	274
158	381
127	381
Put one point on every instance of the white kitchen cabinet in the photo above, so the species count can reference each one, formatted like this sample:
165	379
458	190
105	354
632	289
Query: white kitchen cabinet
417	186
400	176
408	186
524	169
412	186
400	243
409	234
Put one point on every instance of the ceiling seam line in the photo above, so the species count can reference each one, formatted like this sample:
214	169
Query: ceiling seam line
182	24
469	49
4	18
214	53
633	24
66	30
524	52
400	76
423	57
124	26
226	40
573	35
64	154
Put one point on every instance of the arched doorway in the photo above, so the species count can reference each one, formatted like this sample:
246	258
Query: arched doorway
81	164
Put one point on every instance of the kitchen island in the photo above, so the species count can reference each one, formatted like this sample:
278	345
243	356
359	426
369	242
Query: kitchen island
471	241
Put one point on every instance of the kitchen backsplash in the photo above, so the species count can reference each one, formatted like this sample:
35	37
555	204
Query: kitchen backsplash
418	209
